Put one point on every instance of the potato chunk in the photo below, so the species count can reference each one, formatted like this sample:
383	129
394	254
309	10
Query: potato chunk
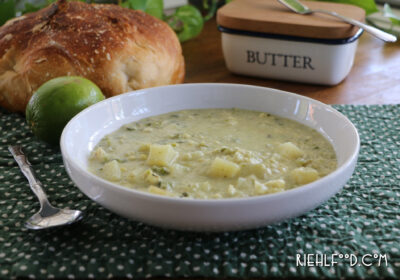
260	188
304	175
161	155
271	186
144	148
231	190
290	150
99	154
132	177
223	168
112	171
135	176
276	184
159	191
179	170
244	183
150	177
257	169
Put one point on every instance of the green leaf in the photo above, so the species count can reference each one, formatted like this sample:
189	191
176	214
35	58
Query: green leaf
7	10
187	22
155	8
152	7
125	5
368	5
137	4
211	10
29	8
387	12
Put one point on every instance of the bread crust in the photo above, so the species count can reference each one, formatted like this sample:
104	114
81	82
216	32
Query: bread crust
117	48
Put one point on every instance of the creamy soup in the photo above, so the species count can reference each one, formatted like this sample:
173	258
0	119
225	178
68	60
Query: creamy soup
213	153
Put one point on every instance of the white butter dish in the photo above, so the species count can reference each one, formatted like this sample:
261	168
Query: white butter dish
264	39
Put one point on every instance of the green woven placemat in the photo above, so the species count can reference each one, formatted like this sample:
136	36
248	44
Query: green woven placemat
362	220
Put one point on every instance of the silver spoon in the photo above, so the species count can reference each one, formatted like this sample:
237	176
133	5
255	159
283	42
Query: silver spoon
48	216
299	8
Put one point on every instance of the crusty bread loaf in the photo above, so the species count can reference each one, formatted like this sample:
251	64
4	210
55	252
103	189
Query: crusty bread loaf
116	48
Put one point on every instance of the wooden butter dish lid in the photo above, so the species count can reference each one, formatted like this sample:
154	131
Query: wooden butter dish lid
270	16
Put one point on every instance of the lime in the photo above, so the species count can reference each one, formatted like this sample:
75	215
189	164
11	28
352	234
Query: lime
56	102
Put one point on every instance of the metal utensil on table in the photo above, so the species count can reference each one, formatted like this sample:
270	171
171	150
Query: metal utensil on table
299	8
48	215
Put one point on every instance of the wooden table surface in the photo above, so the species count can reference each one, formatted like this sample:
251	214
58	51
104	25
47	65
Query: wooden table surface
374	78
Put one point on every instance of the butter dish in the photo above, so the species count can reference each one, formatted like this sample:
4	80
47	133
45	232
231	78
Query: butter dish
265	39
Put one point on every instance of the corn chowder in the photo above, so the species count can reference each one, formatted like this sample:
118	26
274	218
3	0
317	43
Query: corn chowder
213	153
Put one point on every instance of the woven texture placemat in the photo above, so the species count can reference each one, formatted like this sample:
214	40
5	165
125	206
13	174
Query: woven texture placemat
362	220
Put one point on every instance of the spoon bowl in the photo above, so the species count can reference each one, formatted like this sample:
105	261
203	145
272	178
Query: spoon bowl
59	217
296	6
48	215
300	8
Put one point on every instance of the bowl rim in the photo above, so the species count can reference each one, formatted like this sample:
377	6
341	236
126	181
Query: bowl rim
197	201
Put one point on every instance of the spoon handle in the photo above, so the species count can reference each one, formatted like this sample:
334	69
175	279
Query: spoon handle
25	166
387	37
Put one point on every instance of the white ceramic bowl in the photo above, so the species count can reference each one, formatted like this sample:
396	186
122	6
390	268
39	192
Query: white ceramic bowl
86	129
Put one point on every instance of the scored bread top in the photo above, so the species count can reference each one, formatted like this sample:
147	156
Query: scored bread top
116	48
